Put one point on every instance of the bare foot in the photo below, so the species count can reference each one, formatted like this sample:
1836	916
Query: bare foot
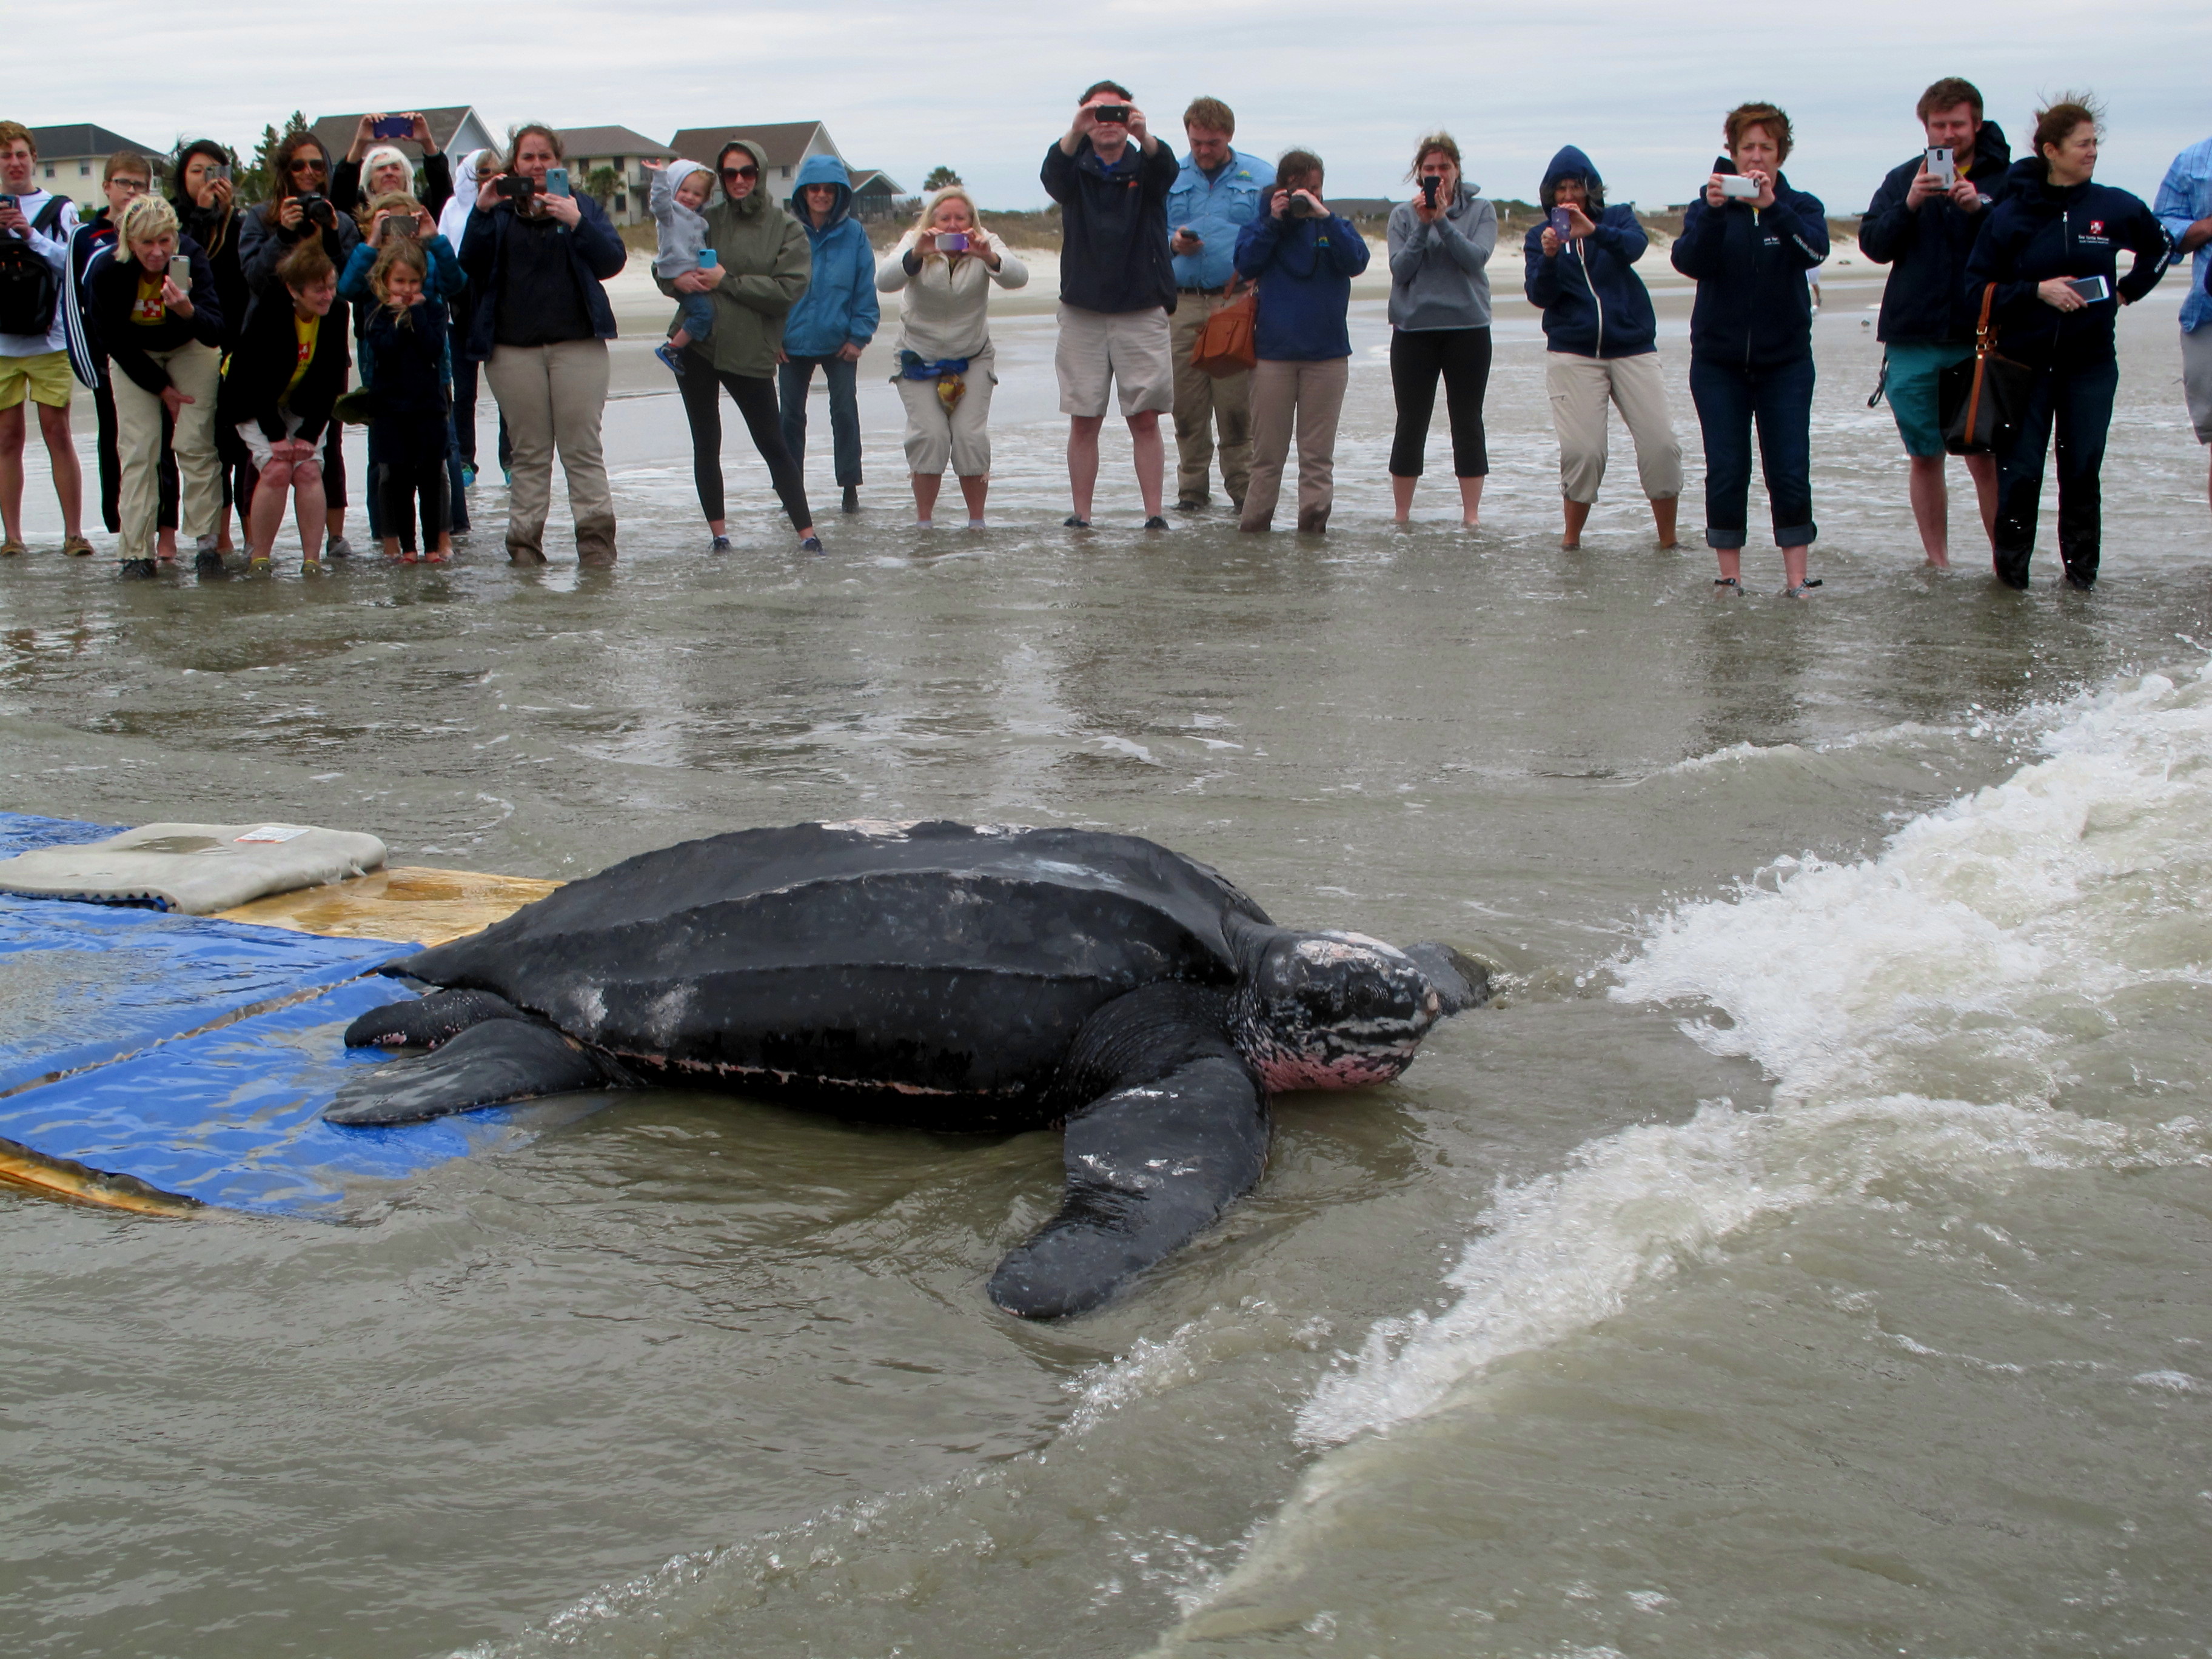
1937	562
1566	546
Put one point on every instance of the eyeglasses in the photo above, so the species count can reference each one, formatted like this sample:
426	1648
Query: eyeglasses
138	185
741	173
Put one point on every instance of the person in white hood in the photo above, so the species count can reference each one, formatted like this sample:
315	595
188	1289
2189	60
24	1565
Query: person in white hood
452	221
945	266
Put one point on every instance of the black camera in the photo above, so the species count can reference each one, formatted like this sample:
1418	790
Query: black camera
515	186
1300	207
315	209
1117	113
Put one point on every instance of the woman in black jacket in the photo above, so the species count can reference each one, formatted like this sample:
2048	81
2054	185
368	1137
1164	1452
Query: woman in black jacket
163	335
289	369
2054	229
1748	241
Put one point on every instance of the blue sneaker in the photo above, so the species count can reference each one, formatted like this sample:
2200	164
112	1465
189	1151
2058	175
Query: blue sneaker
721	544
811	544
468	475
668	355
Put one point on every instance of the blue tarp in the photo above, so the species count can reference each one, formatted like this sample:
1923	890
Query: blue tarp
201	1053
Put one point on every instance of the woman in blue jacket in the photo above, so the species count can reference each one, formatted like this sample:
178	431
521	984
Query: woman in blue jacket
540	327
1747	242
2056	227
833	321
1302	258
1602	343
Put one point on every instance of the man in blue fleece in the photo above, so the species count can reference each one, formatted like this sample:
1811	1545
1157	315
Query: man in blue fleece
833	321
1922	224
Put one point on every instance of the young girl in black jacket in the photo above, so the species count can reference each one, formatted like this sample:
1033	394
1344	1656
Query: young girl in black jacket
287	370
410	438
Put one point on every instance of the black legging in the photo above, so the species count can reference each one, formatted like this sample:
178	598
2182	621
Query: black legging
1461	355
399	484
755	396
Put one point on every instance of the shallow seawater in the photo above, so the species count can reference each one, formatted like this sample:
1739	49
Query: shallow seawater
1809	1253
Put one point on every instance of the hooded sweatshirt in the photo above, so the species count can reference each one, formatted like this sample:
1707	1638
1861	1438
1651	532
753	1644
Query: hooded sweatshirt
1594	303
1754	309
943	306
1440	273
766	262
1114	226
682	232
454	218
2042	230
840	304
1924	301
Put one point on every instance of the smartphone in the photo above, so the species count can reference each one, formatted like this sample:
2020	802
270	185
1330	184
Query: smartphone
392	126
1560	223
1940	166
219	170
1737	188
1118	113
7	201
2092	289
1429	186
708	260
557	181
180	271
951	242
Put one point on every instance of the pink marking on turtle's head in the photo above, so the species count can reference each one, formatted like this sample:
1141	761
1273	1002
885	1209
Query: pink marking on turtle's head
1332	1011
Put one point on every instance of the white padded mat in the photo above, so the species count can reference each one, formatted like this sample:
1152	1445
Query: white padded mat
198	868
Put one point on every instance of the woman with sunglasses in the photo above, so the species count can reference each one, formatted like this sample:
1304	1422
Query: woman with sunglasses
764	261
536	261
300	207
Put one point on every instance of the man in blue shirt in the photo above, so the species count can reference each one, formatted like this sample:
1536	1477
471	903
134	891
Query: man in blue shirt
2185	208
1220	191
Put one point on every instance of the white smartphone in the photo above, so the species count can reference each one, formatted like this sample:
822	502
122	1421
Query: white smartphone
1941	166
2092	289
1737	188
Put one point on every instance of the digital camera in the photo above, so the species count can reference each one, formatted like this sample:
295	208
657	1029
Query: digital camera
1302	208
516	186
315	209
1735	187
1117	113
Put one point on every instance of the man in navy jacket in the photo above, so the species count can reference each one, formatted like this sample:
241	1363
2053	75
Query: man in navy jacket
1111	179
1924	228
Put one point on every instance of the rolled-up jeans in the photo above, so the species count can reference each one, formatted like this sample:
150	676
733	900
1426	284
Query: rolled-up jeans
793	378
1730	400
552	397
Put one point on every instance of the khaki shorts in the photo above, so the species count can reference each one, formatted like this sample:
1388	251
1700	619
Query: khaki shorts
44	375
1128	349
2197	379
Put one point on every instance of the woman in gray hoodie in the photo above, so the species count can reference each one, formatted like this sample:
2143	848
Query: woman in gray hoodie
1440	247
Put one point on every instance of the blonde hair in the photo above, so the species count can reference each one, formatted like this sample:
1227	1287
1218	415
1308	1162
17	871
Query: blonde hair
928	216
147	217
409	254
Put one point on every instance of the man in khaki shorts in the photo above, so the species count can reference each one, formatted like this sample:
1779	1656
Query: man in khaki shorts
1219	191
1111	179
34	359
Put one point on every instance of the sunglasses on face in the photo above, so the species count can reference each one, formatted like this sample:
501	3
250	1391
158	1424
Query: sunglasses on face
741	173
309	167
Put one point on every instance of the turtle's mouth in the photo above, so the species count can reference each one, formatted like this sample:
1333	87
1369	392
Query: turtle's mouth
1283	1070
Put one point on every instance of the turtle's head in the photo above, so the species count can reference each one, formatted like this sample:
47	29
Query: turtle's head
1341	1010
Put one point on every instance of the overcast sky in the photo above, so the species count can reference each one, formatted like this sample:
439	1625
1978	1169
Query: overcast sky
984	85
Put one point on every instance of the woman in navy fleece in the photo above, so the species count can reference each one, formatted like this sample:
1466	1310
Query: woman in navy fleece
1750	341
1302	258
2053	229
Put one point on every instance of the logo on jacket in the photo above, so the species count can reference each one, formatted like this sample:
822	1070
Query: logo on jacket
2096	226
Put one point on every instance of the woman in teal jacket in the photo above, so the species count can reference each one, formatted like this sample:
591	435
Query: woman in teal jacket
833	321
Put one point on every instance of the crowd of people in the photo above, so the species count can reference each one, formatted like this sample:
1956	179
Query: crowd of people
219	339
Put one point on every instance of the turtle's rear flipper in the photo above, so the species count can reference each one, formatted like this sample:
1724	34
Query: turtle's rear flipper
428	1021
1149	1167
487	1065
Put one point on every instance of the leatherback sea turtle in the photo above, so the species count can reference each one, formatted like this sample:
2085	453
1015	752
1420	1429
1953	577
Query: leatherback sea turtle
942	976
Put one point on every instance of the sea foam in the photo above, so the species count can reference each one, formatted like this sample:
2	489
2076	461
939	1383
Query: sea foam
1917	1011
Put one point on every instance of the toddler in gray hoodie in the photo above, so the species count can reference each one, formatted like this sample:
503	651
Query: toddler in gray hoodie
678	191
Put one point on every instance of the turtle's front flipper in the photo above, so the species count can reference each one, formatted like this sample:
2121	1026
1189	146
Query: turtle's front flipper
428	1021
1149	1167
487	1065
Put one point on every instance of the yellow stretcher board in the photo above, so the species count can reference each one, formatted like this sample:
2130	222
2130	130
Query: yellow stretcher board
427	906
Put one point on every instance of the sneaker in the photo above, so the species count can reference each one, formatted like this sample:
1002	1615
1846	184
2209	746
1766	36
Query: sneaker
340	547
1071	522
1728	585
12	548
507	476
1192	503
468	475
207	563
1156	522
721	544
852	498
136	570
78	548
667	356
977	524
811	544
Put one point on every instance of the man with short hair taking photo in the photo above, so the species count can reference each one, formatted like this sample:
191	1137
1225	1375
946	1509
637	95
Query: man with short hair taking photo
1220	191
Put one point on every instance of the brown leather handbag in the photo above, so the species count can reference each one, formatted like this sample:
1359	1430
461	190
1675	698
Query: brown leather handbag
1224	346
1981	398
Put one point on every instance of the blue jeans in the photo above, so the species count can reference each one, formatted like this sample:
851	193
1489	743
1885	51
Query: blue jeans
1729	399
695	314
2079	403
843	380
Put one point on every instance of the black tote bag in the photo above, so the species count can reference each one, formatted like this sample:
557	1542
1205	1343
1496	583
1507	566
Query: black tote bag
1983	397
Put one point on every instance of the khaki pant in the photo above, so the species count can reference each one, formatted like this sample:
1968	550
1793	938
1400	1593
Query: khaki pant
1580	387
195	370
1201	403
552	397
1311	395
961	434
